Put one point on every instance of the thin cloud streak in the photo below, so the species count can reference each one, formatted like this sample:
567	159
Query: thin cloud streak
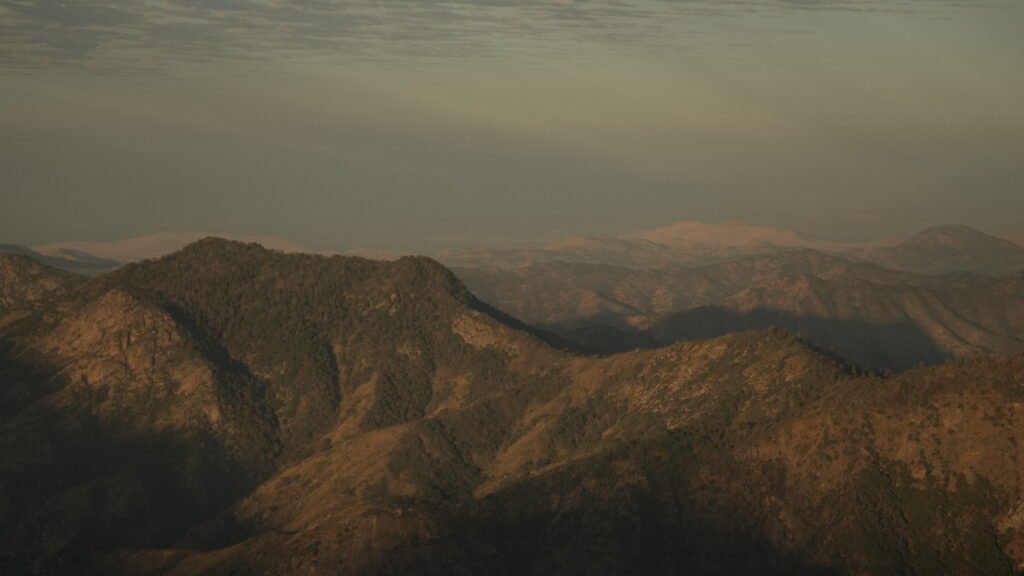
154	35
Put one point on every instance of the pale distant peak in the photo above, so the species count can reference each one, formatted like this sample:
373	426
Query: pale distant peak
953	235
730	233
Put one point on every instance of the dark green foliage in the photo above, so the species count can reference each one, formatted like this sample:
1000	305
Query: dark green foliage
901	522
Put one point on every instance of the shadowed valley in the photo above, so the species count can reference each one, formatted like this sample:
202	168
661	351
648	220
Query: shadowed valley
871	316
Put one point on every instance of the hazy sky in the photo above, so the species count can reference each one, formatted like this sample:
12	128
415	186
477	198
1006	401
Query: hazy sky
423	124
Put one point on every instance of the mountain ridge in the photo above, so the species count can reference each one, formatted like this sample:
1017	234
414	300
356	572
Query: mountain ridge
229	408
952	248
682	243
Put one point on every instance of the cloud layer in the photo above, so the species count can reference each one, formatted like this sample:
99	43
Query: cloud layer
381	124
141	35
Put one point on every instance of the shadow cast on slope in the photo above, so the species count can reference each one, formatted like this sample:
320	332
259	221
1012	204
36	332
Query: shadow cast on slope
679	503
74	486
624	512
894	346
545	335
605	339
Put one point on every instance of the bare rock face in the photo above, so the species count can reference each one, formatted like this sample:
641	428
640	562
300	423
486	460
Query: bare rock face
133	358
23	281
228	410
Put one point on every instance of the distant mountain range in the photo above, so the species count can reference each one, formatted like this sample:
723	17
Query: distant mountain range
71	261
947	292
938	250
232	410
868	315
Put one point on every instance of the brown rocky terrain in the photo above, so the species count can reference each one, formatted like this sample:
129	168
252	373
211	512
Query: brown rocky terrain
230	410
25	281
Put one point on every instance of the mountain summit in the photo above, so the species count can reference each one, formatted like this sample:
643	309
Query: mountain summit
730	233
952	248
